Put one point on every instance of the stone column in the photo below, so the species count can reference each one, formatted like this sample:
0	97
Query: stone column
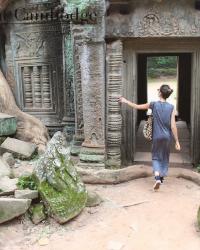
93	96
89	80
78	100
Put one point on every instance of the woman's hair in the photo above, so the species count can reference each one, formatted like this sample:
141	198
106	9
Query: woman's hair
165	91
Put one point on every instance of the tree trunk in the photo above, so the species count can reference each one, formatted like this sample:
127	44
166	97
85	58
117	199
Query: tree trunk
29	128
4	3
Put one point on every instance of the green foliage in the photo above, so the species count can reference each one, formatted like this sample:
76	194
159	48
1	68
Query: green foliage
162	66
26	182
198	168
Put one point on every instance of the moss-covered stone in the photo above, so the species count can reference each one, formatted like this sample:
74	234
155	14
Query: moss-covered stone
93	199
198	217
82	5
8	124
58	183
37	213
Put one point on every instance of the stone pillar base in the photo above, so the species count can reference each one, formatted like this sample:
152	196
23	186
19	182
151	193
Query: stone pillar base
76	145
92	155
91	165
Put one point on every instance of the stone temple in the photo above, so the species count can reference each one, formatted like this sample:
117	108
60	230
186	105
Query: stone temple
70	74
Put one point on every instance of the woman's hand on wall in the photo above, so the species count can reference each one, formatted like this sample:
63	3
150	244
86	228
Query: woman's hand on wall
177	146
123	100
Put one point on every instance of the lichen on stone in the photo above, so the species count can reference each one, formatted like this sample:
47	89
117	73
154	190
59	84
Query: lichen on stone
58	183
82	5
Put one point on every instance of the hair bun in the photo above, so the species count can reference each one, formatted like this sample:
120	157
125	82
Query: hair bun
170	91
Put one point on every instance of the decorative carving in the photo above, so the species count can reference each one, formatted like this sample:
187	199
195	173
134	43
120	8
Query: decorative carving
46	88
37	87
31	42
79	127
69	74
114	88
34	50
155	25
171	19
28	95
93	82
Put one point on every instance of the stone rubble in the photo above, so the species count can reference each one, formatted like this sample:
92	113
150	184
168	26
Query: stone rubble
9	159
26	194
18	148
8	185
11	208
4	169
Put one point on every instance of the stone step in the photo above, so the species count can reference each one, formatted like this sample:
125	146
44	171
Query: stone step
175	158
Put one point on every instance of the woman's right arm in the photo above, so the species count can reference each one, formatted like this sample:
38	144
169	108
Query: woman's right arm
174	131
134	105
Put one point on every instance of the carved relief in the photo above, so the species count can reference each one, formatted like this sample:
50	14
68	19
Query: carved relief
169	19
31	43
69	68
37	87
93	83
79	131
154	24
114	88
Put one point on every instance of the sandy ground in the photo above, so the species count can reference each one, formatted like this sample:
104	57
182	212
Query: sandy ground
166	220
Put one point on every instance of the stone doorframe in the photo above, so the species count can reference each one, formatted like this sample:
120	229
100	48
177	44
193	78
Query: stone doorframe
119	146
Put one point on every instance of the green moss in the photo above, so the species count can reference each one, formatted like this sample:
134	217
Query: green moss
63	199
26	182
58	183
82	5
37	213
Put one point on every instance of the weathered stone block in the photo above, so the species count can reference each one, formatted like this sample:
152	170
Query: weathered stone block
8	124
8	185
26	194
93	199
37	212
198	217
19	148
8	157
4	169
58	183
11	208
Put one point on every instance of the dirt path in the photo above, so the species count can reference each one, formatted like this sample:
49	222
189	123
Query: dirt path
166	221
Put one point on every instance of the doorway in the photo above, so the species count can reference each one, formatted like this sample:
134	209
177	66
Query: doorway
134	88
156	69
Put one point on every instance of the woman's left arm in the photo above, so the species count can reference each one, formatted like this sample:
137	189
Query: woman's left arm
134	105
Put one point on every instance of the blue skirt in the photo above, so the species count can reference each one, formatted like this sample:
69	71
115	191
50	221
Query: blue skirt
161	167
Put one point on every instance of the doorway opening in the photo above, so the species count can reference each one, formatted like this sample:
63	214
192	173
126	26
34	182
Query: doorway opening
153	71
162	70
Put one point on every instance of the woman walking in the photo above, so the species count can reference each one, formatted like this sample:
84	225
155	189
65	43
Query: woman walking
164	125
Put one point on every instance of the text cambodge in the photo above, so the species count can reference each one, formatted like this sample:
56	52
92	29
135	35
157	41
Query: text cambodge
23	14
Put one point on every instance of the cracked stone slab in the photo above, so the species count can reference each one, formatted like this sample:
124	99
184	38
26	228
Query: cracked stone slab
11	208
19	148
